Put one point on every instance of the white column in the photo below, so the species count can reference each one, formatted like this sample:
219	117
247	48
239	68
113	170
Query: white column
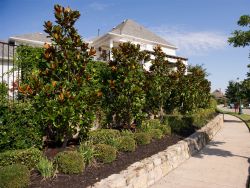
111	44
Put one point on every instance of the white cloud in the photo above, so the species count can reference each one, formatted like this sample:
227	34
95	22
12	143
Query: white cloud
98	6
191	43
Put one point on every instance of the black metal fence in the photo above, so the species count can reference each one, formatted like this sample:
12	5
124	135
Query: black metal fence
9	73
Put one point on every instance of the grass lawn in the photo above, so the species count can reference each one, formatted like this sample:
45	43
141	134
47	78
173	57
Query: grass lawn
244	117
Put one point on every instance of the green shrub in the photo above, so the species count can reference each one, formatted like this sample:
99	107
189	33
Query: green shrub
70	162
105	136
45	167
201	117
14	176
127	143
27	157
20	128
86	149
105	153
166	129
127	133
156	133
147	125
142	138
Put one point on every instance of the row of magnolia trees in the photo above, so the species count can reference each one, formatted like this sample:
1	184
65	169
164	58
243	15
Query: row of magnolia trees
69	91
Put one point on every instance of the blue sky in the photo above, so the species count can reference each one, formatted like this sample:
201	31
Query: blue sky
199	28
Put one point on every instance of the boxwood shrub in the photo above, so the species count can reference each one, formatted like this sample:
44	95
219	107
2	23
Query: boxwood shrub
14	176
27	157
142	138
127	143
70	162
156	133
105	136
105	153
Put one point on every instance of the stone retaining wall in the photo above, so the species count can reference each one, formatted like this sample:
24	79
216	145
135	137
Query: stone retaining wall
145	173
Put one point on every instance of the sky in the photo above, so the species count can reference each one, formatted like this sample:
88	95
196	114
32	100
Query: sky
199	28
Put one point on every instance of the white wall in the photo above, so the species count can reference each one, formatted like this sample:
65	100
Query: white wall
8	75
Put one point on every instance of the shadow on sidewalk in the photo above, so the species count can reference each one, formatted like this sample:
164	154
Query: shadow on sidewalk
232	121
211	150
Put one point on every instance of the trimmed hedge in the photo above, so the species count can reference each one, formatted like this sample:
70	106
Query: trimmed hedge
28	157
156	133
14	176
186	124
70	162
105	136
127	144
166	129
142	138
105	153
19	128
147	125
127	133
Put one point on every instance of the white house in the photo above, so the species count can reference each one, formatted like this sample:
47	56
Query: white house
9	71
127	31
130	31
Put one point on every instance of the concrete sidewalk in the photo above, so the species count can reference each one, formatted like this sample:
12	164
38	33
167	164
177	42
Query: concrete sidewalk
223	163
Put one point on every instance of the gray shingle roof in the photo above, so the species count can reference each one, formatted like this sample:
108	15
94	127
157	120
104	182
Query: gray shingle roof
37	37
131	28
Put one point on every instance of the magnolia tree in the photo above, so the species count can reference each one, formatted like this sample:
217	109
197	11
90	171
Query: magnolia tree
124	91
158	83
60	87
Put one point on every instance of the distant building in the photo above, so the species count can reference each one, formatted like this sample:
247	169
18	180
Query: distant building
219	96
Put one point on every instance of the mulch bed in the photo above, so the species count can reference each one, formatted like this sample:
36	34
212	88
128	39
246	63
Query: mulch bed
95	173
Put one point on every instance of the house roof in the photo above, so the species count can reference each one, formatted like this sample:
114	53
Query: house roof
218	94
131	28
39	38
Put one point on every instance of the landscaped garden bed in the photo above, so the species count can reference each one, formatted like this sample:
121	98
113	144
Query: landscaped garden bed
63	94
100	171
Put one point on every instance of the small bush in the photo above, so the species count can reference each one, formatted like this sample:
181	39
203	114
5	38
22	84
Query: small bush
202	117
105	153
27	157
20	127
166	129
70	162
105	136
45	167
14	176
86	149
156	133
127	133
156	124
126	143
142	138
